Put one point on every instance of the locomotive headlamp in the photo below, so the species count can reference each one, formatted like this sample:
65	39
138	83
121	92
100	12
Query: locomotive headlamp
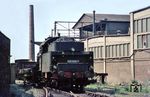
72	49
63	53
53	57
55	67
74	74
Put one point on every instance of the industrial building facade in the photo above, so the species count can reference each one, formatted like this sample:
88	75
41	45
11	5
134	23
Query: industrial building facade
4	65
110	44
120	44
112	56
140	44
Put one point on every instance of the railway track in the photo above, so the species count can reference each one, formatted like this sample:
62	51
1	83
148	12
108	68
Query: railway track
50	92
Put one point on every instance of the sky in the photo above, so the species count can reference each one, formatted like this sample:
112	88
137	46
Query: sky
14	17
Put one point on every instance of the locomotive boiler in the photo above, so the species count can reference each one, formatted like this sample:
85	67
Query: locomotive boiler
63	63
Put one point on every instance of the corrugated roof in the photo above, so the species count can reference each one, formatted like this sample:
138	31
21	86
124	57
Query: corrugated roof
87	19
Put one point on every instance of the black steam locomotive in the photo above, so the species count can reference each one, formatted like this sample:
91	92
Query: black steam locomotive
63	63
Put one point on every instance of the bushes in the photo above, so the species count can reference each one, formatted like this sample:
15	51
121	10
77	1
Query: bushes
100	88
107	88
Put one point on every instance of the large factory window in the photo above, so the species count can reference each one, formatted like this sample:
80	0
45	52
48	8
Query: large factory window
101	53
139	26
139	41
128	49
148	40
143	41
113	50
97	52
148	24
94	52
107	51
124	50
119	50
135	26
110	49
144	25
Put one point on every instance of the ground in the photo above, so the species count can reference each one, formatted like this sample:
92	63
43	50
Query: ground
22	91
112	90
119	90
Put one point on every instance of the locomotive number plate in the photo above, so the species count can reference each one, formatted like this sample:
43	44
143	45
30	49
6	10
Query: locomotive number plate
72	61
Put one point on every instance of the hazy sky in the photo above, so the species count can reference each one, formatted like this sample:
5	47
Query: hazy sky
14	18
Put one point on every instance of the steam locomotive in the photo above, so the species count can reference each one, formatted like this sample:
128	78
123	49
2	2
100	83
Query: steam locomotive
63	63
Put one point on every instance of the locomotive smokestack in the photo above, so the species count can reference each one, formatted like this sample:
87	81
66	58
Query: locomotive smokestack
31	34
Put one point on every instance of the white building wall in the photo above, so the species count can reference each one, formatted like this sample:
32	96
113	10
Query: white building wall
142	14
117	47
140	36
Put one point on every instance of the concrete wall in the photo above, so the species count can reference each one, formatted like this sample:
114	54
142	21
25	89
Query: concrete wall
98	66
142	14
136	67
118	71
110	40
136	16
141	57
142	65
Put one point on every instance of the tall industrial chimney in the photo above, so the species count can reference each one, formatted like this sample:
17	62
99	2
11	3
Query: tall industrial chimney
31	34
94	32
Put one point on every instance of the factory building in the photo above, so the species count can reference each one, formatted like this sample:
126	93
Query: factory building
108	24
140	44
120	43
110	43
4	65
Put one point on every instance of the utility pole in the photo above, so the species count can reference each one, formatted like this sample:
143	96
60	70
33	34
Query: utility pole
105	50
132	47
